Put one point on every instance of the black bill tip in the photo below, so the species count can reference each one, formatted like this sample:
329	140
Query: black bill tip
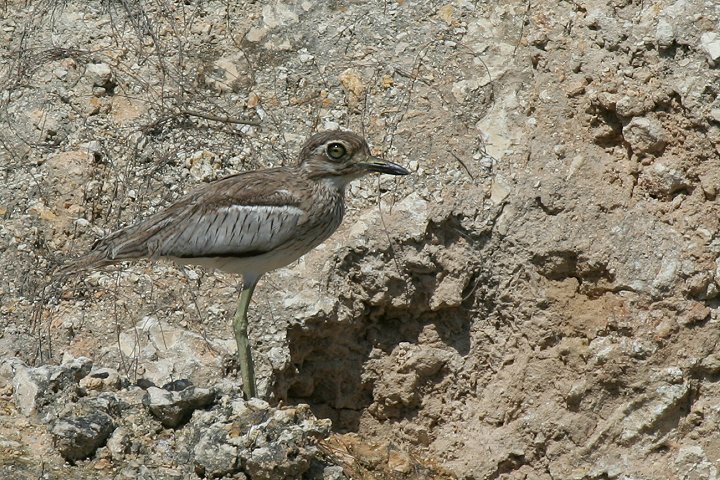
377	164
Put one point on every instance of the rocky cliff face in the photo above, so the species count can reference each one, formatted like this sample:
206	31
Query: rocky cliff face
538	300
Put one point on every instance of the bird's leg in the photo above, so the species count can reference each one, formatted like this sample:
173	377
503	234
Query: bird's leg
240	324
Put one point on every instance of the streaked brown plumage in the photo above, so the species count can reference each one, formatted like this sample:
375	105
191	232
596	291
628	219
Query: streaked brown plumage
251	222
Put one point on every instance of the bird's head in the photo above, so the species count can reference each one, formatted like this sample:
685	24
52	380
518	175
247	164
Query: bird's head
341	157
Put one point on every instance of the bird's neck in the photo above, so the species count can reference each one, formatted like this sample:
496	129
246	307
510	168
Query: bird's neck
333	183
325	176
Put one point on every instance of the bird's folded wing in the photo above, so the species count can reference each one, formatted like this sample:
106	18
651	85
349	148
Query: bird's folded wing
225	218
232	230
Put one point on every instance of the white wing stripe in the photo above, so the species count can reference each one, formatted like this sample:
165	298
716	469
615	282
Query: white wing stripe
263	209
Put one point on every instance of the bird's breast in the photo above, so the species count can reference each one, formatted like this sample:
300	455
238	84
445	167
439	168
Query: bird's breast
323	216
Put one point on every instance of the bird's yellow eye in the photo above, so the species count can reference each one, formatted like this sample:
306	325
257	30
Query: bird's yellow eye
336	150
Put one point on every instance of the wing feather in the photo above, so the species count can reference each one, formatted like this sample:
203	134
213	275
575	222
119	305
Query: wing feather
215	233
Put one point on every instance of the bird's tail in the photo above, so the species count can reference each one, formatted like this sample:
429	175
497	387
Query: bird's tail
105	251
129	243
94	259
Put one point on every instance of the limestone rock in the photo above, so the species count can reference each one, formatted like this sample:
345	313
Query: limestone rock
662	181
119	442
354	86
78	436
255	439
692	463
229	73
34	388
664	33
100	74
168	351
645	136
710	44
102	379
658	406
174	408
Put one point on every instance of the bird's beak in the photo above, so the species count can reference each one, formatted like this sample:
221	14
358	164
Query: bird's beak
377	164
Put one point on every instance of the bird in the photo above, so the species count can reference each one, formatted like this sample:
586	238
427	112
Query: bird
250	223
